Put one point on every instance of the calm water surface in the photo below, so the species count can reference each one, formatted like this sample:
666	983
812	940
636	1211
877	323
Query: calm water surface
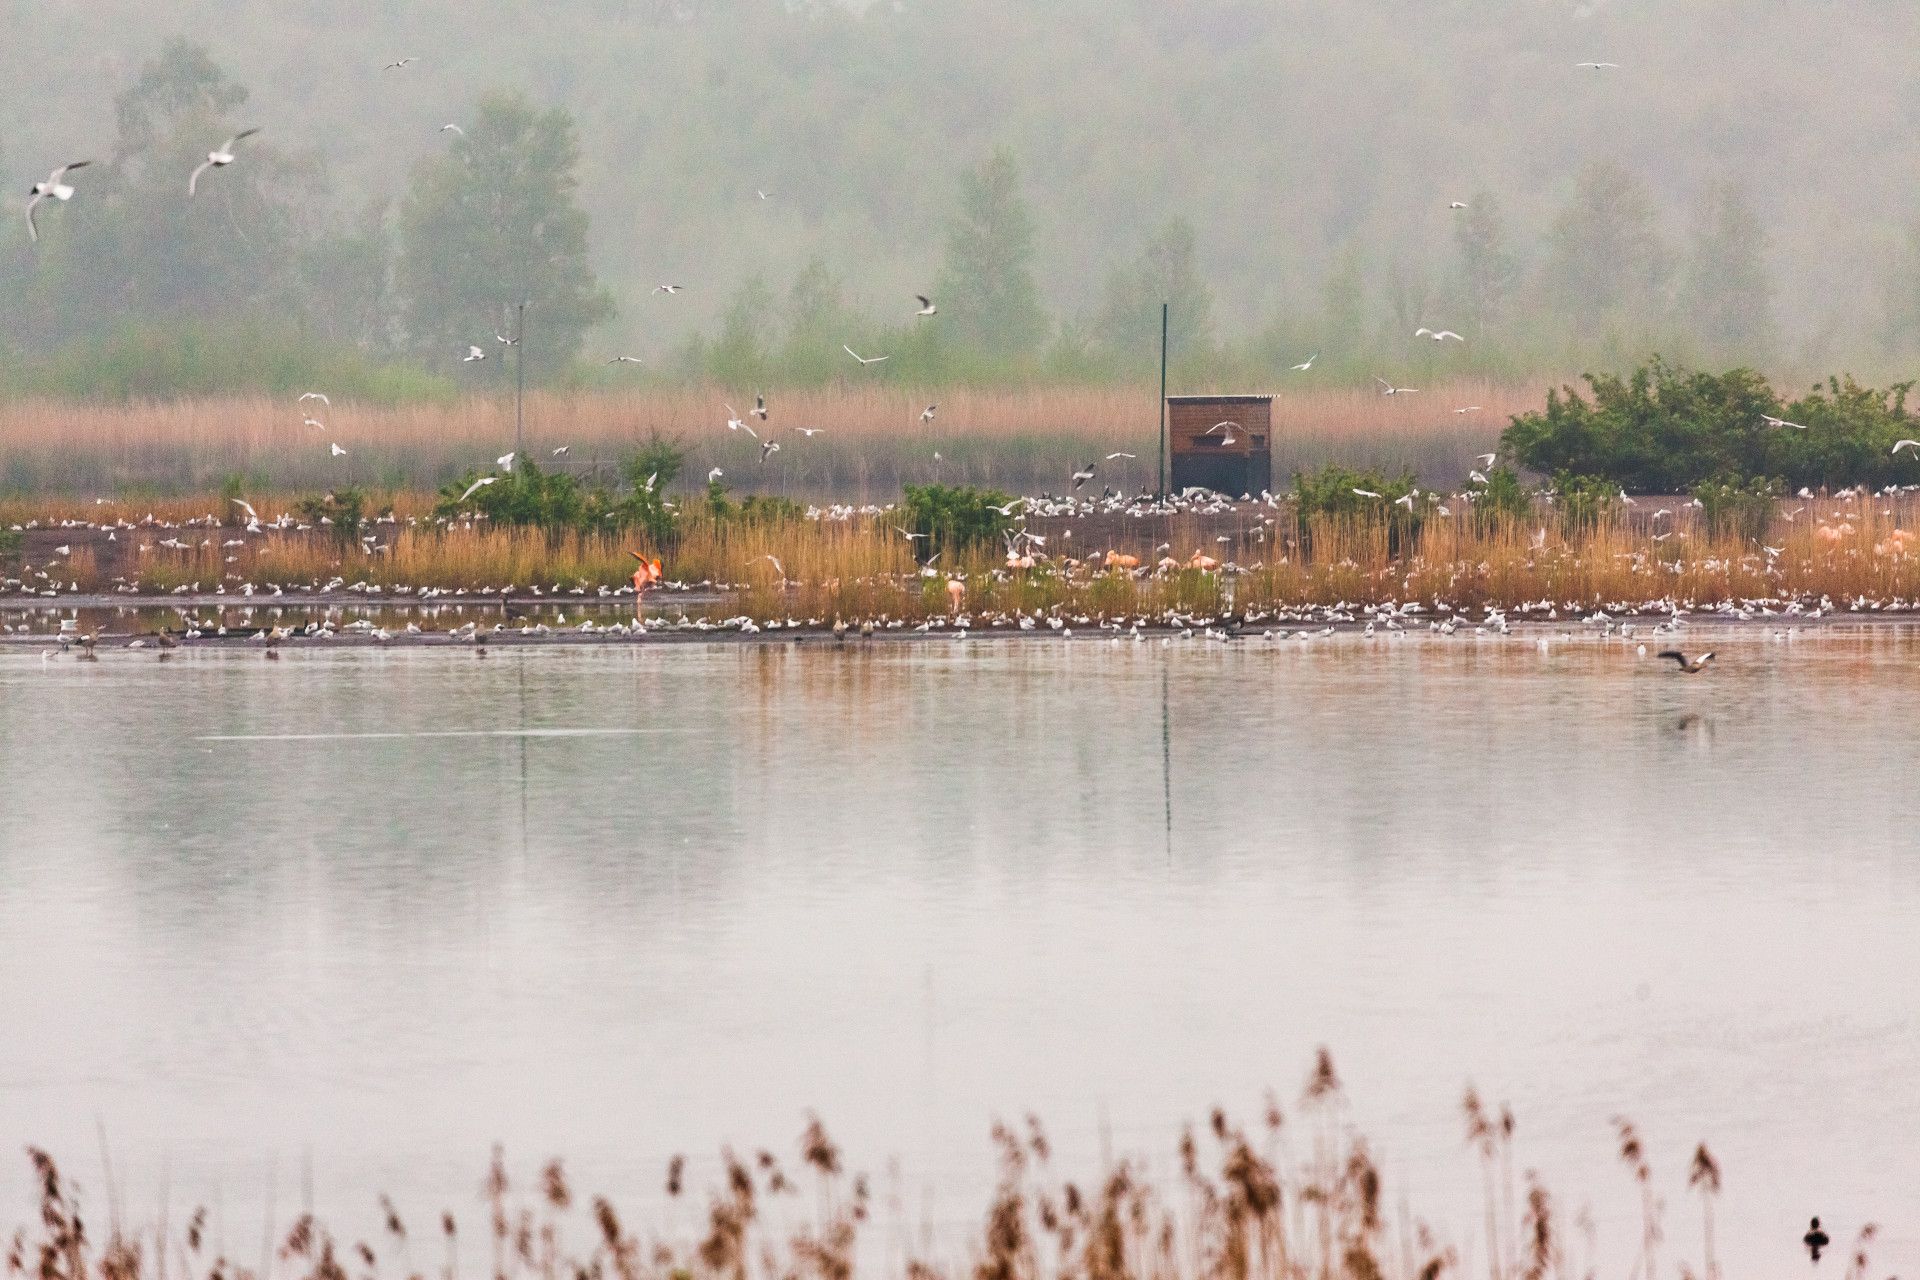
340	913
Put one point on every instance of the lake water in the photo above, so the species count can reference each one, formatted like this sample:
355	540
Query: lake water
333	925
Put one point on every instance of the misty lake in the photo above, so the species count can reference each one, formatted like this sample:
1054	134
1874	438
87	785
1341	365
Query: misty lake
333	925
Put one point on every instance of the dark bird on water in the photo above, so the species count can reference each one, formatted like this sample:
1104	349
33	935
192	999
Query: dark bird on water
1692	666
1815	1240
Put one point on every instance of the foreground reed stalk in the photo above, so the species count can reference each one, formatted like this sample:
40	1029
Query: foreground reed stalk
1240	1212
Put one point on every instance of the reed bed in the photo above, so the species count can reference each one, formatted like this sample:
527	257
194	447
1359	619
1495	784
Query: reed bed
1294	1196
1842	552
870	443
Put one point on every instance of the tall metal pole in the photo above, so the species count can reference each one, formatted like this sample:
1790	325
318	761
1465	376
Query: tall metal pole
520	380
1163	402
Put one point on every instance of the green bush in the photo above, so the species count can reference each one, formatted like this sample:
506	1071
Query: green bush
10	545
526	497
342	509
1738	508
1333	491
1667	429
954	516
1583	501
1502	497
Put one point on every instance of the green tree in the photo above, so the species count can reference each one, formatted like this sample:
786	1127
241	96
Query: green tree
1167	271
1489	271
494	221
986	291
818	322
1606	267
1727	294
742	356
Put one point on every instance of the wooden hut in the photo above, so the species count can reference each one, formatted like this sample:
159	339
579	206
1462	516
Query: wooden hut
1223	443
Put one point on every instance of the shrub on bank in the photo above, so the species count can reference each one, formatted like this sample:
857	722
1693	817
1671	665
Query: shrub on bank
954	517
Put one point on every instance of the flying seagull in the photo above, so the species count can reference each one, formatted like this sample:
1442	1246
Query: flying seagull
504	340
926	305
1472	408
504	461
1438	336
735	423
473	353
1388	389
561	452
1306	364
767	447
926	414
759	409
809	432
51	187
1692	666
1772	421
1226	427
763	195
626	360
400	64
1905	444
453	128
908	536
218	159
667	288
712	475
865	360
1597	66
311	422
1365	493
317	395
1458	204
1083	475
337	451
1486	459
477	486
247	507
1112	456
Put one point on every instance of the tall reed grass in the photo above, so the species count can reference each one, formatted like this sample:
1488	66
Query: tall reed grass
1297	1196
871	438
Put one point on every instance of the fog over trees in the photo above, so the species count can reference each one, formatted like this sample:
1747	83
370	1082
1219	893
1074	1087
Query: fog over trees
1743	188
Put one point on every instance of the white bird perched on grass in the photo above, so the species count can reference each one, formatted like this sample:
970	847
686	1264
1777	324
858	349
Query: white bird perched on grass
1898	445
51	187
1365	493
864	360
1306	364
400	64
505	461
759	409
336	451
217	159
478	485
1388	389
317	395
473	353
1438	335
926	414
736	423
1772	421
926	305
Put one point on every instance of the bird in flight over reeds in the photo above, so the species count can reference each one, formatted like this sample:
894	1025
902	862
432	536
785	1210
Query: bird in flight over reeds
809	432
217	159
1112	456
1472	408
1438	335
1365	493
712	475
865	360
1083	475
926	414
561	452
767	447
337	451
1898	445
759	409
926	305
477	486
736	423
53	187
910	537
626	360
505	461
667	288
1772	421
1692	666
316	395
1486	459
1388	389
1306	364
473	353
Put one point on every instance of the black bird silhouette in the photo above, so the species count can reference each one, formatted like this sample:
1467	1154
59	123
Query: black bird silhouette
1692	666
1815	1240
